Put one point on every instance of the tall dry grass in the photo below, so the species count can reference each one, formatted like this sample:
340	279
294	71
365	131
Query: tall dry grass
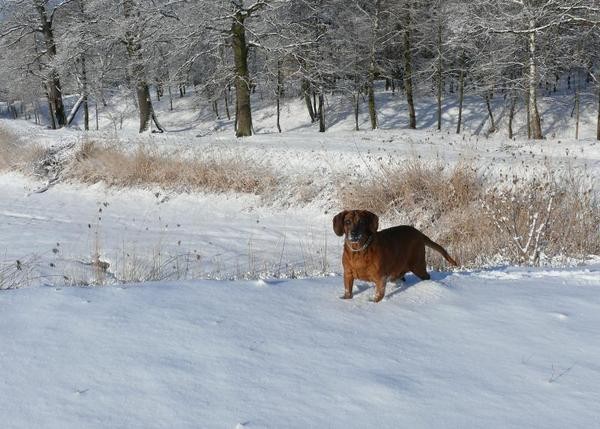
146	166
479	223
17	156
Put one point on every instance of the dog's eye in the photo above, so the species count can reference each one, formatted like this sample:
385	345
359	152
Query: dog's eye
347	222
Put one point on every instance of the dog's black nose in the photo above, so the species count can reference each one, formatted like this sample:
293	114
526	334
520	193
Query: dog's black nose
355	236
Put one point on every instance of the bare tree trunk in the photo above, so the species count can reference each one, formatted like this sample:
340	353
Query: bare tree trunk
227	105
279	93
137	72
598	115
155	118
408	85
52	114
356	97
84	88
372	108
321	113
528	119
242	78
440	81
461	92
490	113
144	103
53	84
373	67
534	116
511	115
306	94
577	113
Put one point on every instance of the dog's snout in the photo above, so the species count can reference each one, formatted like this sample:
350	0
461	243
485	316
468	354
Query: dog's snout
355	235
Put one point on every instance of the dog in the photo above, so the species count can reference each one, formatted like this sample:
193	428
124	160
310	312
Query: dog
381	256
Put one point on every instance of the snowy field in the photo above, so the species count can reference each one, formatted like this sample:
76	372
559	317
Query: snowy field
500	349
244	327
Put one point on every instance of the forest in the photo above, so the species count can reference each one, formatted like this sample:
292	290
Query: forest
228	50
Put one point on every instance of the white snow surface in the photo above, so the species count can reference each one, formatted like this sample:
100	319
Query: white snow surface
499	348
507	348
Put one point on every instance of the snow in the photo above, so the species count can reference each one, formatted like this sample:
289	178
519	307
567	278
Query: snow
228	235
505	348
236	340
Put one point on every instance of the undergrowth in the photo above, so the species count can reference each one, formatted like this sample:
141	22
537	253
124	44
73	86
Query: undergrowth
145	166
522	221
16	156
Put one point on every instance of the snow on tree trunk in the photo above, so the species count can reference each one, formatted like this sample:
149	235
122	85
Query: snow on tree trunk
279	93
75	109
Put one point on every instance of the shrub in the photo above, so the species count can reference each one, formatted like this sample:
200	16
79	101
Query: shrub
521	221
148	167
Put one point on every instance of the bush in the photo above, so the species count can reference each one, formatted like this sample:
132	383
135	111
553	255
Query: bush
521	221
147	167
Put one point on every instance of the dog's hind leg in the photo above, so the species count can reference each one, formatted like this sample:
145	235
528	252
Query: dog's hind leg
400	277
420	269
422	274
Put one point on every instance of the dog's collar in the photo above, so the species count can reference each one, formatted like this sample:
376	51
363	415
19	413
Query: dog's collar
364	246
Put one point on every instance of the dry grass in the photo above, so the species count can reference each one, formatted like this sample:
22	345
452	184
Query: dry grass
147	167
458	209
15	155
546	217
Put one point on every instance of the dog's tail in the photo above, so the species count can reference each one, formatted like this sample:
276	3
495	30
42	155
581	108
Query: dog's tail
432	244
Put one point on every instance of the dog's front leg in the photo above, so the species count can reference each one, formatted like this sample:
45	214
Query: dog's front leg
380	289
348	285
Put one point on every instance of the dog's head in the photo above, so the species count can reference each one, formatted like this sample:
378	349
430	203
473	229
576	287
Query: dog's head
356	225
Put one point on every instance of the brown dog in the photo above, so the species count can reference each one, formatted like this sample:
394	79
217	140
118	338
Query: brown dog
380	256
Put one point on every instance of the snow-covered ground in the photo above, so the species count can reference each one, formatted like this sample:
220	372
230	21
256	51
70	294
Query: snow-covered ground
214	236
499	349
504	347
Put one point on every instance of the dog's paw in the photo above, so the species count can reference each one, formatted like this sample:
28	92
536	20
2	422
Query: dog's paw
376	298
346	297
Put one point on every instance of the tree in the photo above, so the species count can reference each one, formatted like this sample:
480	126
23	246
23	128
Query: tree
36	18
533	23
132	38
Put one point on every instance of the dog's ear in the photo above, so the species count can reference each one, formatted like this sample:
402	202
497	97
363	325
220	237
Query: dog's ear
374	222
338	223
